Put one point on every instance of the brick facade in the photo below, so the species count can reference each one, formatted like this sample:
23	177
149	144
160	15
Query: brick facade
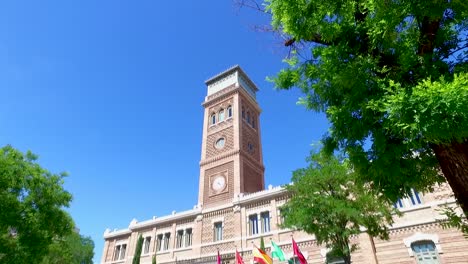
243	198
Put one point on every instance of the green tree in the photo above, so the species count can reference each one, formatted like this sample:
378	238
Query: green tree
139	246
326	201
392	78
72	249
154	260
31	207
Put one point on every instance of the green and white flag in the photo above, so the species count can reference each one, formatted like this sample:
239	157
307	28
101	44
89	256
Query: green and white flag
276	252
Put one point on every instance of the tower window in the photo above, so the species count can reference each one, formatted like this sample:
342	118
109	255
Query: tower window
221	115
218	231
248	117
243	112
253	224
253	122
425	252
229	111
220	143
213	119
250	147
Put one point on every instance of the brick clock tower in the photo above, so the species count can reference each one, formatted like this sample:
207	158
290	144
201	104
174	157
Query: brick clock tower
231	157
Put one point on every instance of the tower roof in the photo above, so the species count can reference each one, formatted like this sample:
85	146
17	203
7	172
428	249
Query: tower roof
233	75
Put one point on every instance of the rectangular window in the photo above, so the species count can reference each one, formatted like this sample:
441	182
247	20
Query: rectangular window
188	237
167	238
414	196
159	242
117	252
265	218
218	231
179	239
121	251
398	204
146	245
253	224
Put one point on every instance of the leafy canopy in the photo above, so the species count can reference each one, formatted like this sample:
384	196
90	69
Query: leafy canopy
391	77
72	249
31	198
326	201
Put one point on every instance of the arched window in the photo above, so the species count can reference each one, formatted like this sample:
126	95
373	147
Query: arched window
213	119
425	252
248	117
221	115
229	111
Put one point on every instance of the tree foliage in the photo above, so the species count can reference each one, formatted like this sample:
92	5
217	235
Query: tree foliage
31	207
71	249
139	246
392	78
153	261
262	244
326	201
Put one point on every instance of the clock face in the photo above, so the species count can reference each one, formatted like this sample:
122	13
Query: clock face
219	183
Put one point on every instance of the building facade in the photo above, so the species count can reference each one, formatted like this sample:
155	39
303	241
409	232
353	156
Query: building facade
234	210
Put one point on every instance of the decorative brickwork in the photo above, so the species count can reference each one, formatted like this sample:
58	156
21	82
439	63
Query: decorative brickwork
253	180
239	163
225	196
228	134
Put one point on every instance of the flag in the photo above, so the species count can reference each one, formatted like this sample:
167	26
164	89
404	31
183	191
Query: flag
239	259
298	253
261	256
276	252
219	258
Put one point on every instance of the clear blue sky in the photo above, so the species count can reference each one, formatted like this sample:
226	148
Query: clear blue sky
111	92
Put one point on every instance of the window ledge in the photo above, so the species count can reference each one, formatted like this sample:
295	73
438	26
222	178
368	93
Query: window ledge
183	249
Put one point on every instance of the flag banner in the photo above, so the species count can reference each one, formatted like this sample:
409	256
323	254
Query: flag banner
298	253
239	259
276	252
219	258
261	256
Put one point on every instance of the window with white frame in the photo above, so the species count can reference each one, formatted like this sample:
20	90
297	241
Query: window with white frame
218	231
253	224
334	260
412	199
425	252
119	252
229	111
180	238
188	237
213	119
146	245
221	115
167	238
159	242
265	221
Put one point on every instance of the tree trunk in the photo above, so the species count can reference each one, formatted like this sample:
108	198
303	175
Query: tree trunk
453	160
347	259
